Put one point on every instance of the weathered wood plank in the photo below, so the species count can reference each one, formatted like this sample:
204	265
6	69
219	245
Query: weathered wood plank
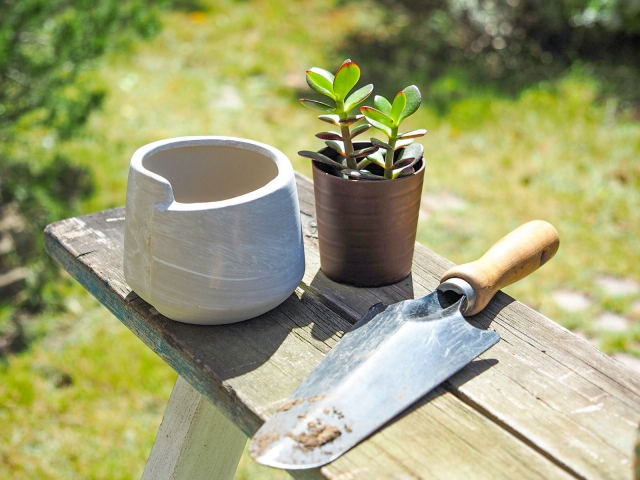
247	370
400	450
195	440
568	400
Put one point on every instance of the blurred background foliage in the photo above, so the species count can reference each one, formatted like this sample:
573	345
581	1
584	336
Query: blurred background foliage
532	109
457	48
47	92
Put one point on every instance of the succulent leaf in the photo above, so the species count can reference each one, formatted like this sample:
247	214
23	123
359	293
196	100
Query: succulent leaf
332	119
381	144
405	162
378	119
322	72
320	158
414	99
382	104
337	146
363	163
370	176
414	133
347	122
364	152
346	78
363	174
404	172
357	97
329	136
320	83
360	129
399	104
350	172
415	150
315	105
403	143
377	158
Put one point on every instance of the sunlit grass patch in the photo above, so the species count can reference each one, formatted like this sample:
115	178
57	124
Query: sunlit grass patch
553	154
84	403
232	70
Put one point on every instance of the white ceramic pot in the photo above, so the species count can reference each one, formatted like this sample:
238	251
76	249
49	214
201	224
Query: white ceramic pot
213	230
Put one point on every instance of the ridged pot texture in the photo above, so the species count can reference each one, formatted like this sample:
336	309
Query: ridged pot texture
367	228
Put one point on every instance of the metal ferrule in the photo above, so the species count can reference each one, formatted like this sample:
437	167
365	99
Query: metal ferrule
461	287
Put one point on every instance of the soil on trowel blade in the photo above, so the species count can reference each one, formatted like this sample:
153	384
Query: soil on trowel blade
317	436
290	404
262	442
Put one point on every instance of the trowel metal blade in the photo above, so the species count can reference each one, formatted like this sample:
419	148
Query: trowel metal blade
390	359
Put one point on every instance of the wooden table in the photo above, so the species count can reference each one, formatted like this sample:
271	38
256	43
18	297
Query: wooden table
542	403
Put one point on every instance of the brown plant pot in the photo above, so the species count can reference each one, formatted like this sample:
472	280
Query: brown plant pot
366	228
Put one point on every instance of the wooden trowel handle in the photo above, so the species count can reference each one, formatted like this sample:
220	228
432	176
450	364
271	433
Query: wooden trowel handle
515	256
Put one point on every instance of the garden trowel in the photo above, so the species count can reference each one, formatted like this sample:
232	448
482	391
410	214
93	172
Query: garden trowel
395	355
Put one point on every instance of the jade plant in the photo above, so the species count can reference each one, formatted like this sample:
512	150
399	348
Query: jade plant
384	116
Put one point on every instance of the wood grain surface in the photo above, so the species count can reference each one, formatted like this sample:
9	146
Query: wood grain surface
542	403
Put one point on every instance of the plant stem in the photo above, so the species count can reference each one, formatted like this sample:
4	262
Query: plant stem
352	163
388	160
348	147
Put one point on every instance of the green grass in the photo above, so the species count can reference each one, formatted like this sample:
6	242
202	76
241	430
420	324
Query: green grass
177	85
554	153
84	403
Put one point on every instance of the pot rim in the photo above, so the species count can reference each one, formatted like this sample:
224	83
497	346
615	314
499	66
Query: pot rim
283	165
